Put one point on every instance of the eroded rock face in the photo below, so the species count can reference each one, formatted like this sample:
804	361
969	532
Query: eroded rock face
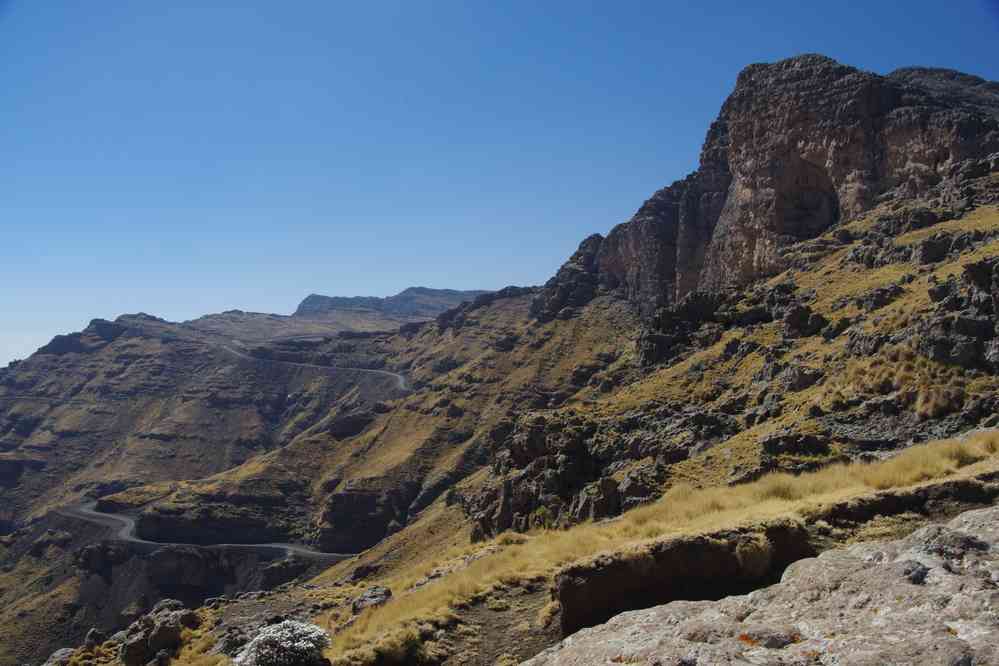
926	599
574	285
560	471
798	145
356	517
961	329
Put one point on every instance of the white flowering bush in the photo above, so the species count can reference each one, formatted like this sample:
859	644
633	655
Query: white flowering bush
287	644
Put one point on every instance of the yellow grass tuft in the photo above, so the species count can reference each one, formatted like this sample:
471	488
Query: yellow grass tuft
683	509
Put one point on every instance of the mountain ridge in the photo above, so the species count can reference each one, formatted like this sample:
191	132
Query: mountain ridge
412	301
822	292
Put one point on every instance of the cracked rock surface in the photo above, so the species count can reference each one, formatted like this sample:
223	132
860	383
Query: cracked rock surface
929	598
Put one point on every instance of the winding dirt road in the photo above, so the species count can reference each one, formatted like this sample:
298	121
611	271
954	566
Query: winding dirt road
400	380
124	526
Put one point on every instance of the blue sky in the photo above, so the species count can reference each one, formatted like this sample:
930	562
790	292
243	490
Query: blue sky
190	157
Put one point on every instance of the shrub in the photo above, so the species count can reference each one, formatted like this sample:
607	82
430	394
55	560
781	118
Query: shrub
289	643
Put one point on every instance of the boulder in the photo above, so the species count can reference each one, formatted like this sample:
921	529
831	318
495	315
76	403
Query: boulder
798	378
373	596
879	297
931	250
94	638
786	441
156	633
799	321
923	599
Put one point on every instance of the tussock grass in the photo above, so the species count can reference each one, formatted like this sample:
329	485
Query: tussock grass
201	655
930	389
393	631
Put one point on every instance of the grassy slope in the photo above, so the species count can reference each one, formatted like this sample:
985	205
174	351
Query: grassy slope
484	380
413	442
684	510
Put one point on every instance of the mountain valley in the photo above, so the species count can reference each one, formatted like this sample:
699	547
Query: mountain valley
782	364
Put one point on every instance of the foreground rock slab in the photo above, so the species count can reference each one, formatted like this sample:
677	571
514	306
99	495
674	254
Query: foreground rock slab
930	598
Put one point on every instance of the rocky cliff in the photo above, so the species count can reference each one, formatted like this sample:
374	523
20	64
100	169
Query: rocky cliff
416	302
798	146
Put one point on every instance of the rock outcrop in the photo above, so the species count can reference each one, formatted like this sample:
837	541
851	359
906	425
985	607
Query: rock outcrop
96	336
155	635
924	599
418	302
799	145
560	471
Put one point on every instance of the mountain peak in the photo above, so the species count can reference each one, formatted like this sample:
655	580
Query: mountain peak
799	145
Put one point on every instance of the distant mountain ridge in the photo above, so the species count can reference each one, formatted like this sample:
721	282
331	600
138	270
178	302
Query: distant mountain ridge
412	302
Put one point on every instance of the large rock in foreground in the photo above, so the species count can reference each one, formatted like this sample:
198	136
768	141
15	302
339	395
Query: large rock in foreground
930	598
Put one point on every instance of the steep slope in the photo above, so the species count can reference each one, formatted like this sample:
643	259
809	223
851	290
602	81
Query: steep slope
824	289
472	369
799	145
140	400
127	403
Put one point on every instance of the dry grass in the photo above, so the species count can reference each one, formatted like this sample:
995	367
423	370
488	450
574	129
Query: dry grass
198	644
396	627
929	388
548	613
981	219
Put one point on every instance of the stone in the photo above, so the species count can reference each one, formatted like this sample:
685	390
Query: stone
60	657
931	250
879	297
800	321
786	441
924	599
156	633
94	638
798	378
836	328
134	651
373	596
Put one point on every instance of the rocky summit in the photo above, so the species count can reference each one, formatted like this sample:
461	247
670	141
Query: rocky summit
799	145
756	423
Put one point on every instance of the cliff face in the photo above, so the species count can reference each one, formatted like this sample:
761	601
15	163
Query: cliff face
798	145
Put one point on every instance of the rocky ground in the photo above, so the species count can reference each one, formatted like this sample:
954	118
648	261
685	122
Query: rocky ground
929	598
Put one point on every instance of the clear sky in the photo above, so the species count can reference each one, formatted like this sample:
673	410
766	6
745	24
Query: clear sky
181	158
